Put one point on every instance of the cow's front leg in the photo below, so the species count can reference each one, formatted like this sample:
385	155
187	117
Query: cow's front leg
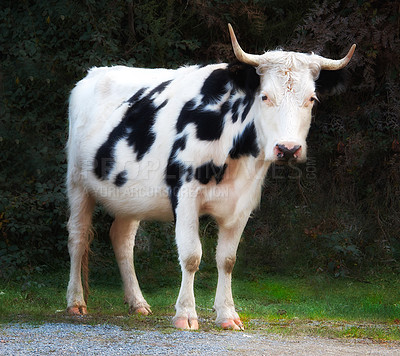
228	241
122	234
189	250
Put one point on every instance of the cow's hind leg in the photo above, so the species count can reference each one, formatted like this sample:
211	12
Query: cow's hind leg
228	240
122	234
189	250
79	227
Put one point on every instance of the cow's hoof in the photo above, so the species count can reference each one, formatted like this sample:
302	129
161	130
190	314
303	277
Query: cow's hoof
186	324
82	310
141	311
232	324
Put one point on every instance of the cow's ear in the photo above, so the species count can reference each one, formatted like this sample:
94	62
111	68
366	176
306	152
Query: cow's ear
331	82
244	77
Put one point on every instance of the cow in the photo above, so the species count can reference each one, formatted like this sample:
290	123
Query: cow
176	144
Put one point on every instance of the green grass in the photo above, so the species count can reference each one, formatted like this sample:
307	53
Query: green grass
316	305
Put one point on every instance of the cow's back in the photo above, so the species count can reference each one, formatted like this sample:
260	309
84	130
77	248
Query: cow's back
94	102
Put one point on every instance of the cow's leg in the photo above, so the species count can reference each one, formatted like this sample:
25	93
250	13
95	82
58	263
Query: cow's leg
189	250
228	241
79	227
122	234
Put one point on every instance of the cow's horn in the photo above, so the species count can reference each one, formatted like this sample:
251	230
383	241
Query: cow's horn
331	64
241	55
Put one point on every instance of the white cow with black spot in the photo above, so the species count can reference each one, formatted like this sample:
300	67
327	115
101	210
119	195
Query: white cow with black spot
161	144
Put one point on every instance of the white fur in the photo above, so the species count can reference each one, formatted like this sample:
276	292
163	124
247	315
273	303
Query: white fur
97	105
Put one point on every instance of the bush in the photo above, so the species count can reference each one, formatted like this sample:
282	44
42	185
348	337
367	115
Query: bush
349	220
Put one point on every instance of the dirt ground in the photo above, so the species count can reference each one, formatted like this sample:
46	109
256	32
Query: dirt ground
73	339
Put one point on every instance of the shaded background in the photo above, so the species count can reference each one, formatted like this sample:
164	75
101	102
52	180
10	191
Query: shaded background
337	214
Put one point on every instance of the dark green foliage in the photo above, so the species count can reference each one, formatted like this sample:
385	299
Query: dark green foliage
339	213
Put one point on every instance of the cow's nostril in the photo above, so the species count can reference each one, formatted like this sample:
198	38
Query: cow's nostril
296	151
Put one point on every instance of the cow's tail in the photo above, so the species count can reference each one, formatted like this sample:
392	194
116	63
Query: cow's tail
85	266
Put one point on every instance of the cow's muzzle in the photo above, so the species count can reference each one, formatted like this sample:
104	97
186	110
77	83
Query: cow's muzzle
285	152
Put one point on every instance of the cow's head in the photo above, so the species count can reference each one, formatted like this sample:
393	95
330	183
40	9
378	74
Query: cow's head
286	97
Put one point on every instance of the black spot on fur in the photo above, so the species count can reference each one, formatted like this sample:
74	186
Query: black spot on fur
175	175
331	82
189	176
179	144
235	109
138	121
209	170
247	102
104	159
209	124
176	171
244	77
136	96
135	127
245	144
121	178
160	88
215	86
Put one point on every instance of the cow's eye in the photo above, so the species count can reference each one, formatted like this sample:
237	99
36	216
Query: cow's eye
264	97
313	98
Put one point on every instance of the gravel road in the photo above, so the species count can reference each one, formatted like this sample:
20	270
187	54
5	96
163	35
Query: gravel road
72	339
